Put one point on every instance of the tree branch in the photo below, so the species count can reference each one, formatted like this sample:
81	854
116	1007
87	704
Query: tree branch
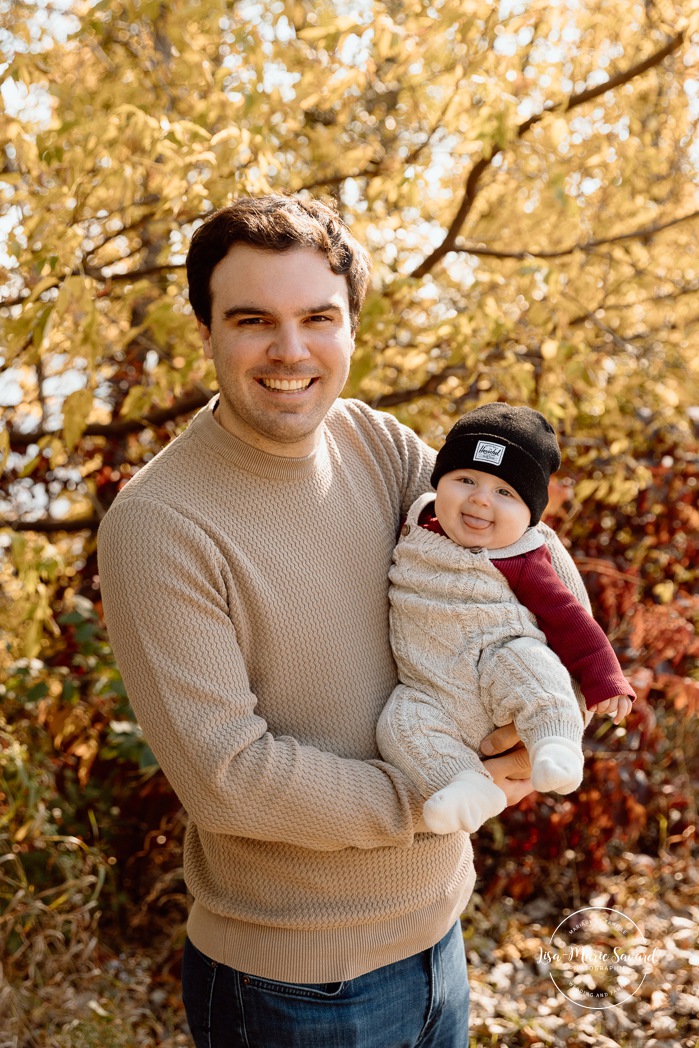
448	244
84	268
590	245
412	157
427	388
122	427
336	180
49	525
133	274
602	567
575	100
374	168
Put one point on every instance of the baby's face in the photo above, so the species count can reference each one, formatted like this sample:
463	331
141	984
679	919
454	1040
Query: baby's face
479	509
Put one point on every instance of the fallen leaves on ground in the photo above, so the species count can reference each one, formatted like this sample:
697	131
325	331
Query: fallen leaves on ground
515	1004
133	1000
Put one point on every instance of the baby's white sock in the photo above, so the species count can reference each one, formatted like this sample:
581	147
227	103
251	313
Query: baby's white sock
557	764
465	804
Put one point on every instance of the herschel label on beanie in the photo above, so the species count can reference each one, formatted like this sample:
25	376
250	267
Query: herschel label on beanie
487	451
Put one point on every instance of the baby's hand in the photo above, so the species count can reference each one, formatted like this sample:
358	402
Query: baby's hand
617	707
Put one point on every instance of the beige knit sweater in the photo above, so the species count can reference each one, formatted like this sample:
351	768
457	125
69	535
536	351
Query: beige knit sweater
246	597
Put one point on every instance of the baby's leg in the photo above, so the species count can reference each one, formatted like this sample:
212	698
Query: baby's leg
416	734
526	682
465	804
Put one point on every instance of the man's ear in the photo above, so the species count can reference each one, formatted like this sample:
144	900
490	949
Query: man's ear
205	336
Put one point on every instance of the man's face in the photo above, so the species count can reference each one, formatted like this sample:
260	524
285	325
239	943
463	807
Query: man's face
281	342
479	509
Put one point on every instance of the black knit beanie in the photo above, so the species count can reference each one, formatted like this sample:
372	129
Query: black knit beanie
517	444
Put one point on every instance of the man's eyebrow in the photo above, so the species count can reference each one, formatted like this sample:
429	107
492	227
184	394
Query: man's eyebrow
247	311
260	311
327	307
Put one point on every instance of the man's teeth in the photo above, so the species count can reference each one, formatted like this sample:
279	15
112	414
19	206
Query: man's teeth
286	384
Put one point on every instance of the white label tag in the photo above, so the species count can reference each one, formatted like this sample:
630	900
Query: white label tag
487	451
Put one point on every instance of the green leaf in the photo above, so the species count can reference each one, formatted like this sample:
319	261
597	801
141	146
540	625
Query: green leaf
76	409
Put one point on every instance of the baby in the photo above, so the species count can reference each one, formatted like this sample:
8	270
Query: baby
474	601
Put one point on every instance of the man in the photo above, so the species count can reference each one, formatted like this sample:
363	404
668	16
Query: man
245	577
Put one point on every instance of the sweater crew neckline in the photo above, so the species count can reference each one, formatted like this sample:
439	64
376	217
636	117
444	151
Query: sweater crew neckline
244	456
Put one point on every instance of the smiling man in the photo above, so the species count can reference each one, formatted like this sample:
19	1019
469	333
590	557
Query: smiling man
245	584
281	338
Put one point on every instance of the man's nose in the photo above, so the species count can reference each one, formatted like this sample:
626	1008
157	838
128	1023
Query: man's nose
288	345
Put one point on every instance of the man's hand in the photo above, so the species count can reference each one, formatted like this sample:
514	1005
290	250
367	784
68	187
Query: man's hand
500	740
512	774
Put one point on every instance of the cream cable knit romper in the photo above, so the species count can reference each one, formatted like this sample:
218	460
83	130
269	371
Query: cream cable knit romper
470	657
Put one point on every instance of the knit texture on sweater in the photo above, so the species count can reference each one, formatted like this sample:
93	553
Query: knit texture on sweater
246	597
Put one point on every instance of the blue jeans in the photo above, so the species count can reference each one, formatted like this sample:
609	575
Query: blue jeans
421	1002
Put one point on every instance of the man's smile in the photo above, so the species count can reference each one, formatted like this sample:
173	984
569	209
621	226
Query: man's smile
286	385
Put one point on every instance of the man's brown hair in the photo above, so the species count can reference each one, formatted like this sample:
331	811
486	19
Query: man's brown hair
276	223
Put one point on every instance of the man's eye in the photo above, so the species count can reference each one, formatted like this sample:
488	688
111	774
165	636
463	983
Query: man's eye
318	317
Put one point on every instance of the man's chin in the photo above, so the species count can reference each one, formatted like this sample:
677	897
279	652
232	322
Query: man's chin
282	433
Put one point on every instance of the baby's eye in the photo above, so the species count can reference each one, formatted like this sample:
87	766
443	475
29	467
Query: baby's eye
505	491
466	480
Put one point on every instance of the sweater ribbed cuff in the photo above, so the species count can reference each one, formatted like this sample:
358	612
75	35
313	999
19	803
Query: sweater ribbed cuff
554	725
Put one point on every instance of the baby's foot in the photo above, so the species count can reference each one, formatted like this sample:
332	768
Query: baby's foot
464	804
557	764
